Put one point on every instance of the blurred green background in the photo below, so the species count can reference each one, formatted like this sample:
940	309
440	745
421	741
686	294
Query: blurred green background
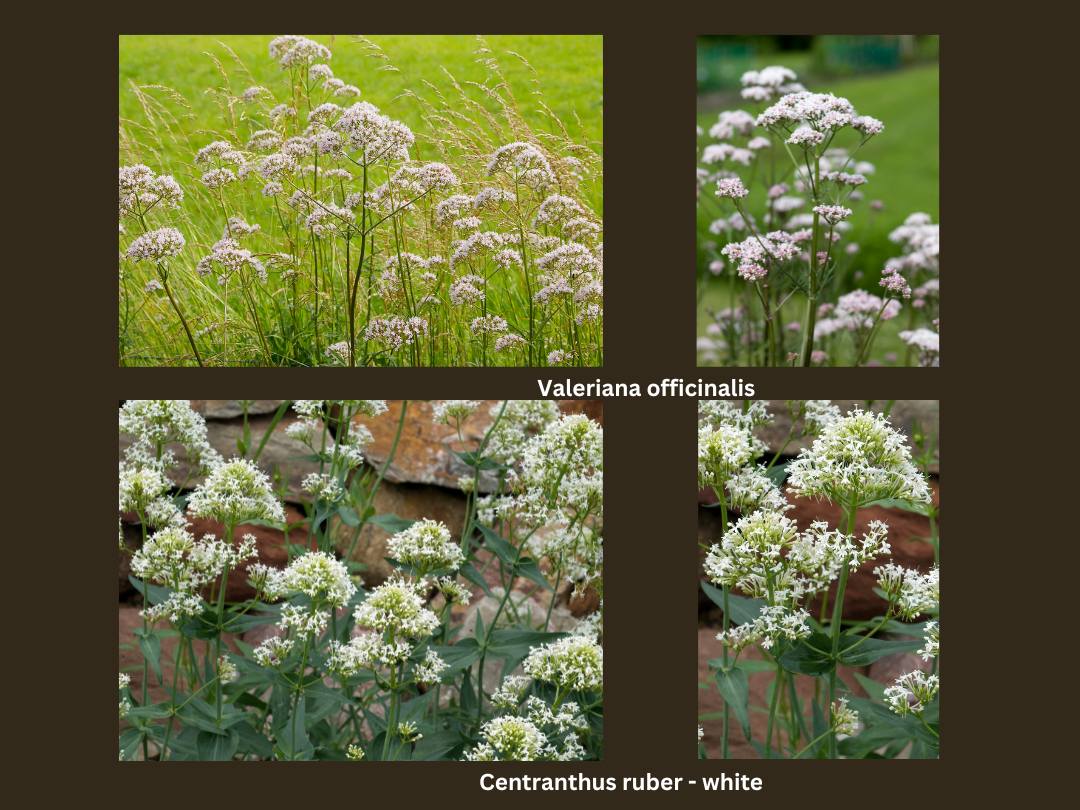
570	72
893	78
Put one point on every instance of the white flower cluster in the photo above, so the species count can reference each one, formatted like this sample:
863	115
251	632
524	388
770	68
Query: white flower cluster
323	487
856	460
174	558
571	664
912	692
845	720
426	547
156	245
522	420
396	608
773	623
140	487
530	729
141	190
509	738
576	553
316	574
154	425
453	411
235	492
727	453
912	592
124	700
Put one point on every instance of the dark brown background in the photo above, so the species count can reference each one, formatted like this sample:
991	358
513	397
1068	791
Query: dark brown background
61	717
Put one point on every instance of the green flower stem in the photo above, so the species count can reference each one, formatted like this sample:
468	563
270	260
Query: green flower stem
778	687
392	710
221	629
878	627
810	316
837	619
379	478
813	742
507	590
146	630
172	701
725	730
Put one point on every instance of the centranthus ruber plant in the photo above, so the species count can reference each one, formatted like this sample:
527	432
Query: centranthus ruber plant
782	586
346	668
777	189
311	228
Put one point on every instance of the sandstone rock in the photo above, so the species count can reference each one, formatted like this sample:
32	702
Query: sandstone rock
425	451
409	501
231	408
888	669
709	699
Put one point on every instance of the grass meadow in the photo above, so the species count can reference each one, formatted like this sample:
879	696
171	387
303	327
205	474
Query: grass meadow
373	288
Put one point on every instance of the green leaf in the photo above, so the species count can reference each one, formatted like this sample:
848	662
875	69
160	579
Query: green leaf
468	570
743	609
471	459
280	412
292	736
507	643
130	740
390	523
156	711
907	506
808	656
253	742
501	548
150	646
438	745
777	473
204	626
348	516
528	568
468	695
872	649
154	594
734	688
460	655
322	701
416	708
874	689
749	666
217	747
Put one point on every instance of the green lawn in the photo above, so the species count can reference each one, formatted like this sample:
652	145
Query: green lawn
569	67
906	158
